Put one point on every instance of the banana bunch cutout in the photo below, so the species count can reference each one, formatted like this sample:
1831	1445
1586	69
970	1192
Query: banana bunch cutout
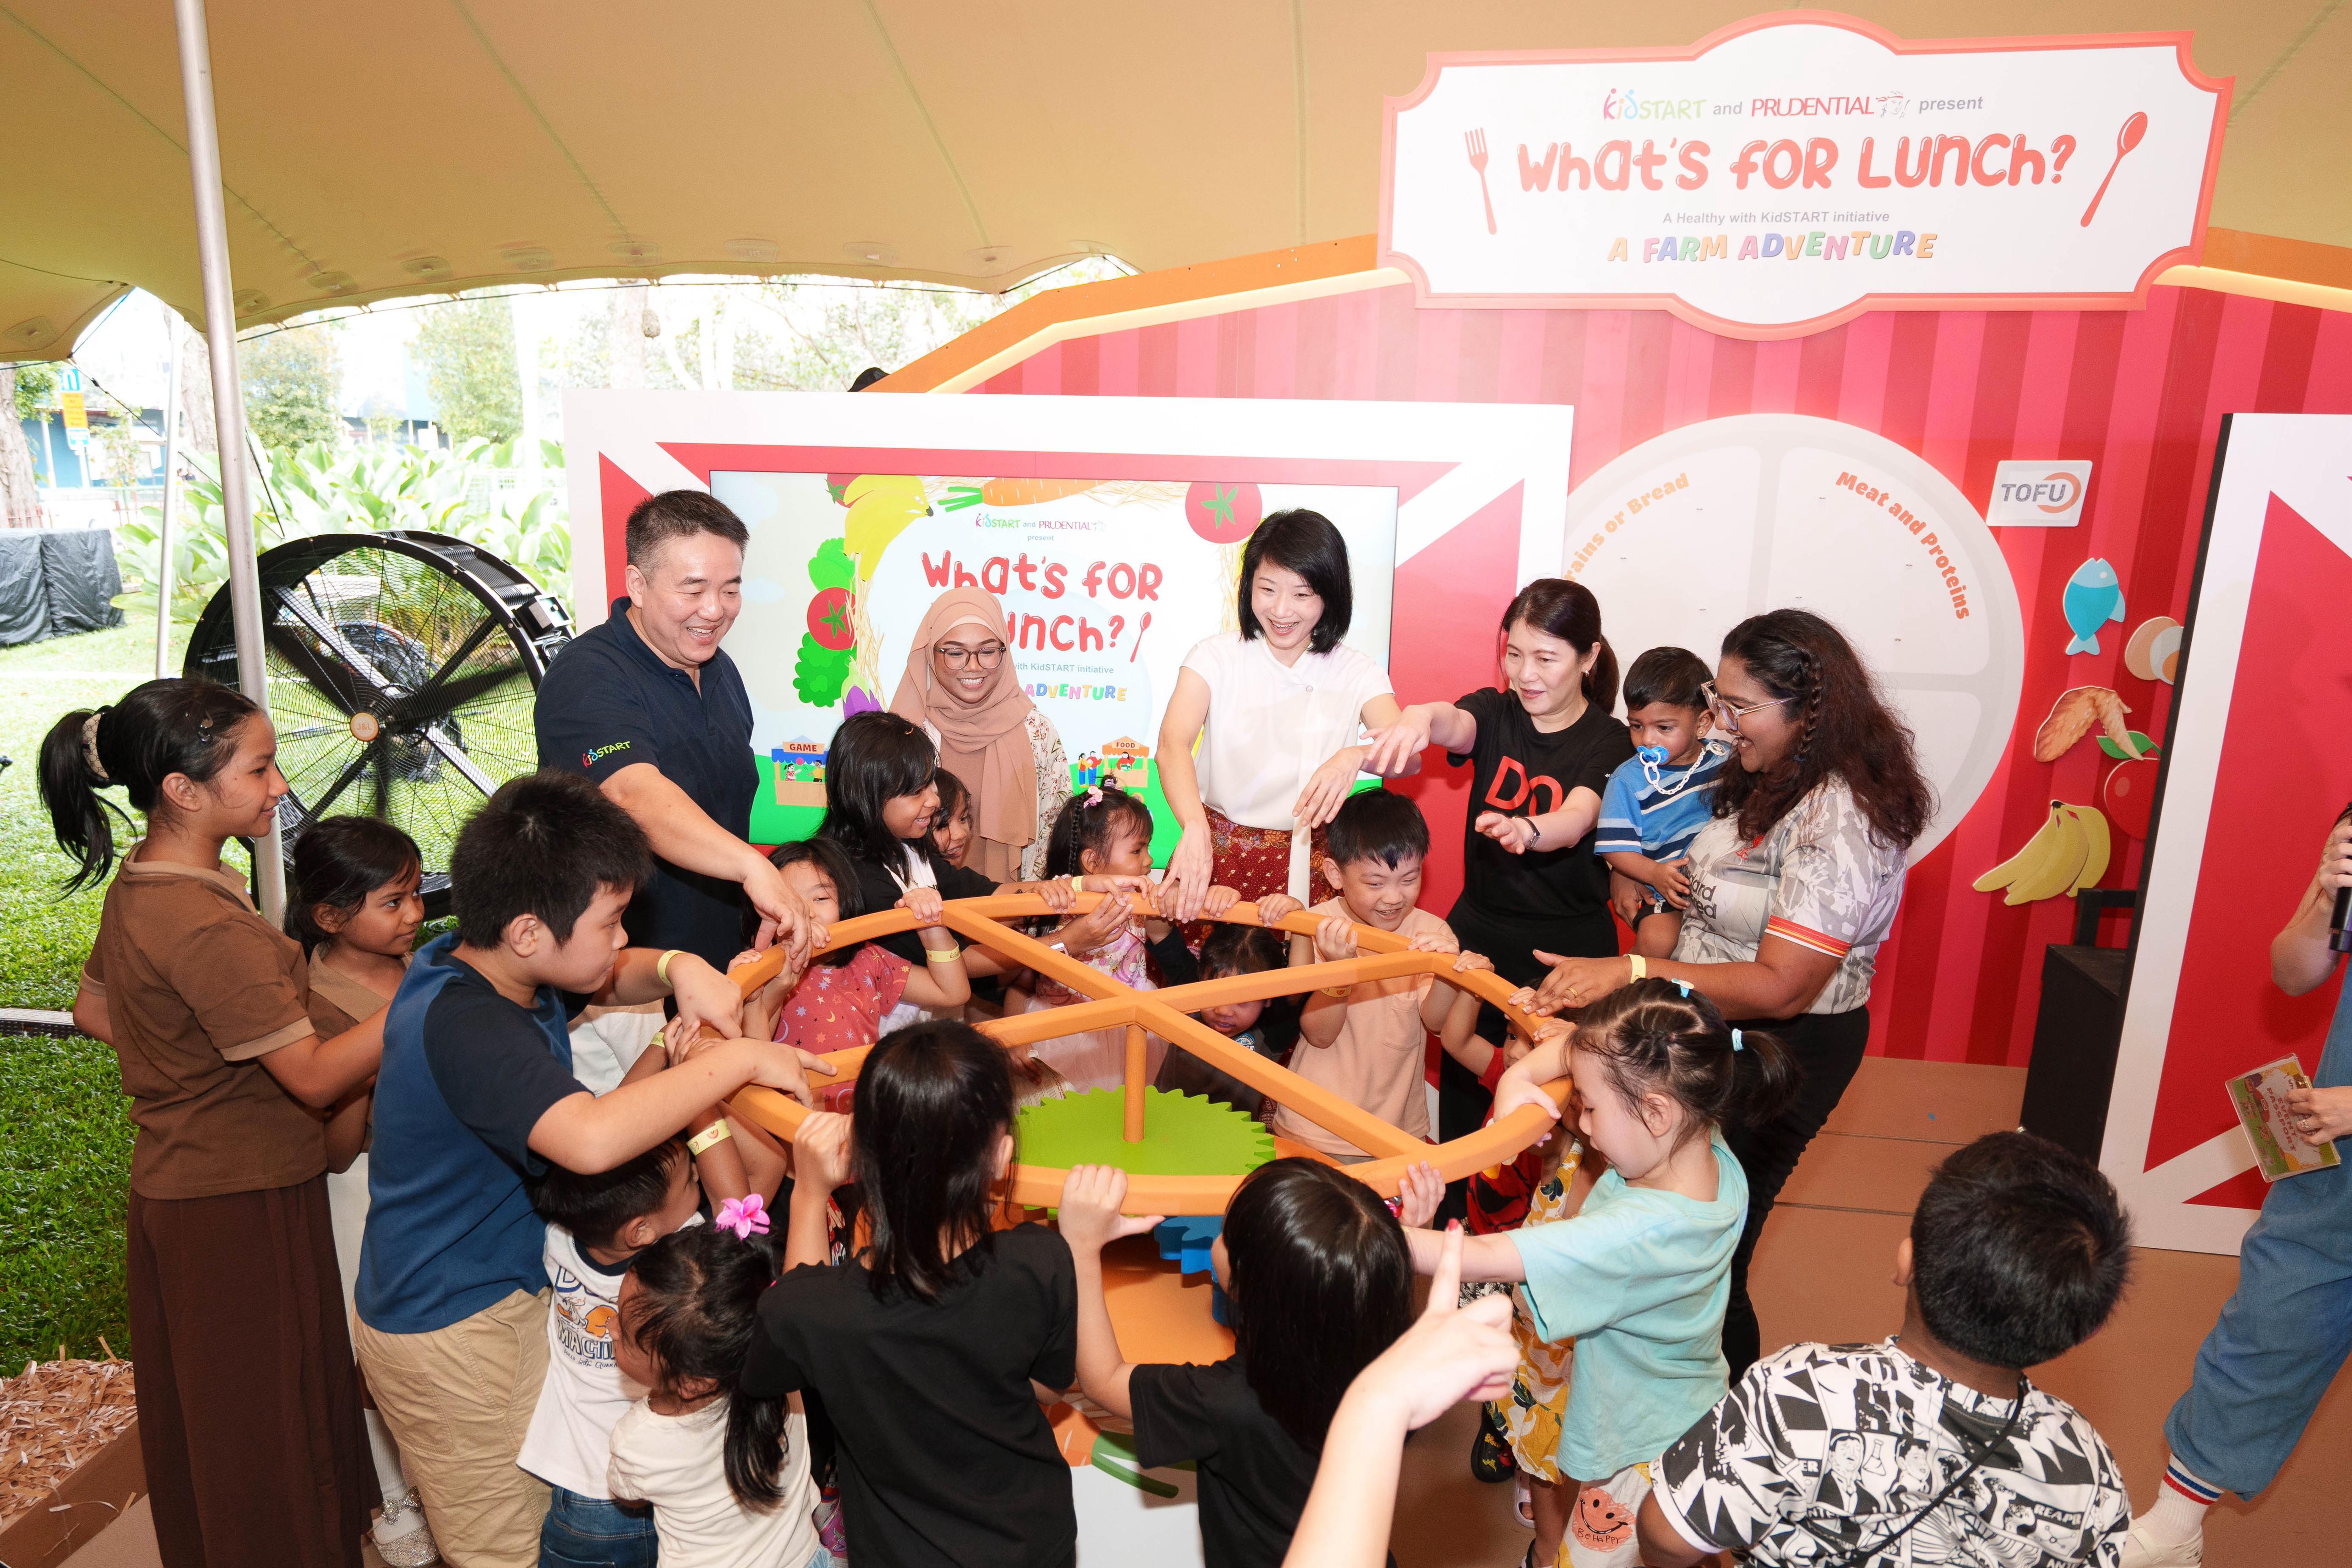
2069	853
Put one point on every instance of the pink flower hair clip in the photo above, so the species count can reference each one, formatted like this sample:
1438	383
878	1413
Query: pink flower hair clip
746	1217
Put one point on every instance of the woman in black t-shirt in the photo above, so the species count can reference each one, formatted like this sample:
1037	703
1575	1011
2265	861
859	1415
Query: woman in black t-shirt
1540	752
1321	1282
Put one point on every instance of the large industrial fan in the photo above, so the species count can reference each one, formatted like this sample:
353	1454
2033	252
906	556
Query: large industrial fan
403	668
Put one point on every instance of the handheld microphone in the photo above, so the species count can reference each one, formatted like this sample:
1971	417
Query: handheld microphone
2339	928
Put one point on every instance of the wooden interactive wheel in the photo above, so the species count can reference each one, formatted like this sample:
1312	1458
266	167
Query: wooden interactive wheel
1165	1013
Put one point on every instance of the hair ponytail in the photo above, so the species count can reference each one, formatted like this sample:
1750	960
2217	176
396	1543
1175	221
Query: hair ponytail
1559	608
1661	1037
159	729
1600	680
1766	1077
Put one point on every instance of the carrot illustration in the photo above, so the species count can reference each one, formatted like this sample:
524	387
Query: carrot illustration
1032	492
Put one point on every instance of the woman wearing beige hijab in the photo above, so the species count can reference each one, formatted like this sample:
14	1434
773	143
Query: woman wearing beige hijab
961	687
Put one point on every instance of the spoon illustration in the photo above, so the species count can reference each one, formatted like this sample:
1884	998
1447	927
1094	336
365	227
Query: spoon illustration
2125	140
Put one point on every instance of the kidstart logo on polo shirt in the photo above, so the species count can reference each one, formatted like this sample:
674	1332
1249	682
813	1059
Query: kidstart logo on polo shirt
590	758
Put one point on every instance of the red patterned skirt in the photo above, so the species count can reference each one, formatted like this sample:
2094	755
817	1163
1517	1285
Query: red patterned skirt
1256	861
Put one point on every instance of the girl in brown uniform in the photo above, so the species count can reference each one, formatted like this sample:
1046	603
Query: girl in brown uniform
248	1397
354	900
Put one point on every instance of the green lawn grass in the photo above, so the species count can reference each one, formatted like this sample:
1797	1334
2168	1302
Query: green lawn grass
65	1135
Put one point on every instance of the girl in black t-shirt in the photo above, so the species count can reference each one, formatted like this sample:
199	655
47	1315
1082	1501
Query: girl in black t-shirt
1541	750
930	1345
881	802
1321	1283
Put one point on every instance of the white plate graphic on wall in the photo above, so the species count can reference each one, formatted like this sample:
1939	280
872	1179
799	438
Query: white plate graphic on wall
1685	536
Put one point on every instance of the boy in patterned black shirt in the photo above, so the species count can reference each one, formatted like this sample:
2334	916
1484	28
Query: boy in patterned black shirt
1930	1447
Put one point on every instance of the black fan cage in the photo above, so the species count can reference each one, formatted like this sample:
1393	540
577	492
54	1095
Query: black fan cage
403	668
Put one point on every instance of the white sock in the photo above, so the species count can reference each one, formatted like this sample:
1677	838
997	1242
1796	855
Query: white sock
390	1478
2181	1501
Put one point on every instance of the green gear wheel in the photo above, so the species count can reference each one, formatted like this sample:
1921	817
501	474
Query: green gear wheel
1183	1135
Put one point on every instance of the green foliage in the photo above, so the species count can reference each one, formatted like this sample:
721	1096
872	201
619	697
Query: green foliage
831	566
467	348
292	380
36	388
65	1169
820	672
463	492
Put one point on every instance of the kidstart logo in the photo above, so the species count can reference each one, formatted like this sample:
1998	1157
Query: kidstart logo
589	759
1624	104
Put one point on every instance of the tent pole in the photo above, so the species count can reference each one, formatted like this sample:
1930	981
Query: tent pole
171	493
228	403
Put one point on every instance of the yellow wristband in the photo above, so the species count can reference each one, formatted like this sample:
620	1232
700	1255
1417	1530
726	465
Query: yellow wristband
1640	966
1077	884
1339	990
709	1138
942	954
661	965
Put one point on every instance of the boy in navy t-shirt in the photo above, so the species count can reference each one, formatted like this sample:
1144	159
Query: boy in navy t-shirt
1659	798
476	1092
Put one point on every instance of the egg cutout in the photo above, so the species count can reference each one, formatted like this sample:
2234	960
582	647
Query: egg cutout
2140	654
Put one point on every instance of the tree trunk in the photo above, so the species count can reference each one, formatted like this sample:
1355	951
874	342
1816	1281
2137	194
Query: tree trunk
200	435
20	499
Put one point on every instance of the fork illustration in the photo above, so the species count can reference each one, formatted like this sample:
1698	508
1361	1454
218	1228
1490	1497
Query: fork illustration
1477	143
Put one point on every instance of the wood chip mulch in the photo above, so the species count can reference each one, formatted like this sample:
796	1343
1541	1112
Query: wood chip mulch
53	1416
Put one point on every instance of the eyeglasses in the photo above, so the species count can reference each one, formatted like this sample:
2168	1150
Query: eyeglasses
1729	714
957	657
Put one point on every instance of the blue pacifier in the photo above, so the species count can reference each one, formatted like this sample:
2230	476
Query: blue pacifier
1653	756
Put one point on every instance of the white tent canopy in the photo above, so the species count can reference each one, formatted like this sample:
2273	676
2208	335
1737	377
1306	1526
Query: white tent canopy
371	151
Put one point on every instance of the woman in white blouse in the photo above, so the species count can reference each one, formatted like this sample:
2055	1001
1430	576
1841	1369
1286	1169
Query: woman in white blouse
1277	709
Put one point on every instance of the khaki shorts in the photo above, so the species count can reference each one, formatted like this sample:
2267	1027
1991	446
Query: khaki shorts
458	1401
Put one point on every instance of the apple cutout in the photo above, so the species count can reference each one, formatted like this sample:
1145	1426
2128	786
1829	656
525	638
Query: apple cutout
2129	796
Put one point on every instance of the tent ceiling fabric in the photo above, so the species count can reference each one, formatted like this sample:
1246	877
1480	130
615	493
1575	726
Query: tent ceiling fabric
373	151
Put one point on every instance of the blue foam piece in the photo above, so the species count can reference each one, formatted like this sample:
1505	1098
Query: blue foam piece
1184	1241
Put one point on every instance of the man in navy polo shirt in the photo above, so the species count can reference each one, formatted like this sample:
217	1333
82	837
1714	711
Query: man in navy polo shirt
651	710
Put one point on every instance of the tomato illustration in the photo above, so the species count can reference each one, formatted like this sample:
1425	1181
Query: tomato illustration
828	619
1223	512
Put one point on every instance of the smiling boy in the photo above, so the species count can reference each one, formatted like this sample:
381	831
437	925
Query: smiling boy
1364	1043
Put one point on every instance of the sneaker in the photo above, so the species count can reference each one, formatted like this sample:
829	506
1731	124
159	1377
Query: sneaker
403	1539
1490	1450
2141	1552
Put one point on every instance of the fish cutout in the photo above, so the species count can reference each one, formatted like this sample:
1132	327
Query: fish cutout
2093	597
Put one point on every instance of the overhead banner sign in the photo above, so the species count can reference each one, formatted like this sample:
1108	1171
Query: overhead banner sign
1794	170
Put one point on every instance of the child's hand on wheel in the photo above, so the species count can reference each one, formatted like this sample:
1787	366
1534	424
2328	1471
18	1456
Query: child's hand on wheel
1090	1216
1418	1195
821	1152
1335	938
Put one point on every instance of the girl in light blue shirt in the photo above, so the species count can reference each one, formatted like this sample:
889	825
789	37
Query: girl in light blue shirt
1639	1278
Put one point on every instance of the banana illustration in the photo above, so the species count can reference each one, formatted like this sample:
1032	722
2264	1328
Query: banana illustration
2070	852
2094	833
881	505
2048	864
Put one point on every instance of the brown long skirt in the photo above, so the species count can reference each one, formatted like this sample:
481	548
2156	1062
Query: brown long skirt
248	1397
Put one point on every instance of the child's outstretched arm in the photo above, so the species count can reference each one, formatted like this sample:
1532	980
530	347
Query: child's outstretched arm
591	1134
1090	1220
942	981
1451	1013
1321	1019
820	1163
